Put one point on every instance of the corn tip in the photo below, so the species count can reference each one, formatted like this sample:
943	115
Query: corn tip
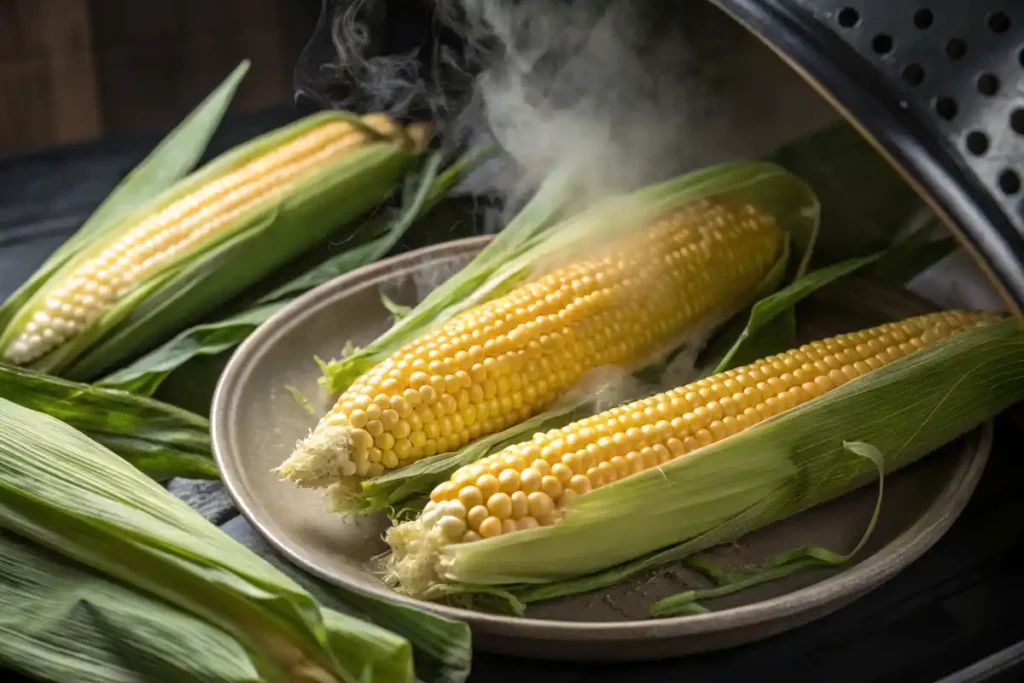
320	459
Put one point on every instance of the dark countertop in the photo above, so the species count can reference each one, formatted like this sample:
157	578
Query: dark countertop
956	605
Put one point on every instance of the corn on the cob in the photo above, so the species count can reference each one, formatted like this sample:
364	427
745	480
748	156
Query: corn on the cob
532	484
71	304
498	363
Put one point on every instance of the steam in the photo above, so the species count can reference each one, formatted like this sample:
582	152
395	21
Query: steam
607	90
363	59
620	93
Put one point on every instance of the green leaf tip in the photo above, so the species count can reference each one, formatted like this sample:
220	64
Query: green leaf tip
779	566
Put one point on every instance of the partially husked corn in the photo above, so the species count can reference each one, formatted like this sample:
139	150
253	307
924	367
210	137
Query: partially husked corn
507	359
530	484
92	286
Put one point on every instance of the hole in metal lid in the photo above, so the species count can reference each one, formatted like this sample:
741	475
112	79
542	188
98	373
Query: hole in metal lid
913	74
977	142
946	107
848	17
988	84
998	22
956	48
923	18
882	44
1020	57
1009	181
1017	121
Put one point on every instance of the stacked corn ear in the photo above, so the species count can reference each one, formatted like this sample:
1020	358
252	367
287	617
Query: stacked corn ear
502	361
205	239
120	563
765	437
64	623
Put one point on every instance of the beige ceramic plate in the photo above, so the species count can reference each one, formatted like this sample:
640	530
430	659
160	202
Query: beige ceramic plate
256	421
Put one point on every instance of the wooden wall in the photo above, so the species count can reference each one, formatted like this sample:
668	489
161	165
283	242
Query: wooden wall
75	70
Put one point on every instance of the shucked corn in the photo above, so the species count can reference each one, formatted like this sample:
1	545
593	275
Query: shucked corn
505	360
92	286
532	483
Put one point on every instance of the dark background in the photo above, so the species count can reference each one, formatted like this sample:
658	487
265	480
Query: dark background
77	70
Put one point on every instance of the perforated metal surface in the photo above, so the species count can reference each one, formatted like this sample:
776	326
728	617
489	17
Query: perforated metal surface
938	86
959	66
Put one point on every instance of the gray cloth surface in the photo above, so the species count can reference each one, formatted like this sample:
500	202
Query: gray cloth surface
208	498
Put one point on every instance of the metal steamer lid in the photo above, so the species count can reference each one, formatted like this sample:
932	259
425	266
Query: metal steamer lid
937	86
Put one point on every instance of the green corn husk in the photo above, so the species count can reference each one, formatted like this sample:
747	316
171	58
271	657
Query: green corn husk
752	343
379	235
159	439
66	492
925	246
263	238
773	470
778	566
63	622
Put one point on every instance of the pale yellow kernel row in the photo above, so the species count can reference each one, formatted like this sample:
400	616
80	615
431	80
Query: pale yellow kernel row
96	284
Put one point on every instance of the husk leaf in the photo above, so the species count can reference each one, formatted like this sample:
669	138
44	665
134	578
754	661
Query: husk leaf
442	647
61	621
780	303
918	251
159	439
66	492
778	566
864	201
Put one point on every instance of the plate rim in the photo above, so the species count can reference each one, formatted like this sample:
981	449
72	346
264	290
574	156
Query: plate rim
861	578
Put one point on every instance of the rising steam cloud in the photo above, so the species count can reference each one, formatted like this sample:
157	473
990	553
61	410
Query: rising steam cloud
619	92
608	90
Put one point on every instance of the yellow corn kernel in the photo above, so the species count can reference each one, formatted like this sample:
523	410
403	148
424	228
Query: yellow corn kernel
503	361
91	287
718	397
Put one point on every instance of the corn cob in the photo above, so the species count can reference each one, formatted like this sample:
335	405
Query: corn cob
104	274
499	363
533	484
94	284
